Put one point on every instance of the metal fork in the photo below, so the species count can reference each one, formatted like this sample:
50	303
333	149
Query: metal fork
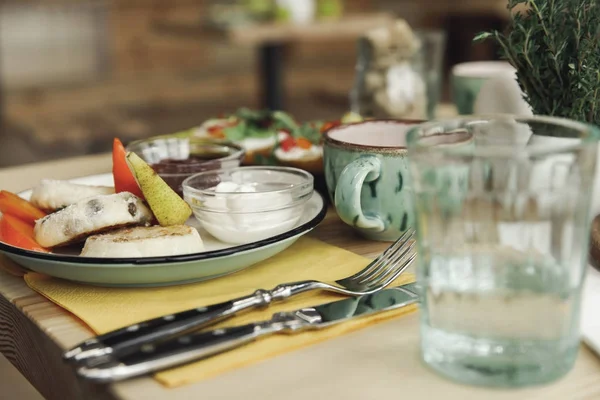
124	341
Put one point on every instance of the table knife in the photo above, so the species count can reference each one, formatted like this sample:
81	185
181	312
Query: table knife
192	347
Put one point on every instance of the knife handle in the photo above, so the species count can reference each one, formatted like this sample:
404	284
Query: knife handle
174	352
128	340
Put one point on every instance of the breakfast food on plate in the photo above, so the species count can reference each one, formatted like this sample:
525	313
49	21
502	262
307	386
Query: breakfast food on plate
142	216
52	195
257	132
113	222
91	216
167	206
153	241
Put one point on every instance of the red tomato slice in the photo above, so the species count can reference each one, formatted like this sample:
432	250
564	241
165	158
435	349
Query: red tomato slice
288	143
12	204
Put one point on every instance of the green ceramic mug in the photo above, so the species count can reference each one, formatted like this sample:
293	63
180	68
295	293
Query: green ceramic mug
366	171
468	78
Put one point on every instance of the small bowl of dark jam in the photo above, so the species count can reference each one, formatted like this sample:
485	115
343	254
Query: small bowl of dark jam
175	159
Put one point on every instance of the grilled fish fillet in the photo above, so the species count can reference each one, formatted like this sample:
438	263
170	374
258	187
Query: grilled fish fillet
89	216
52	195
153	241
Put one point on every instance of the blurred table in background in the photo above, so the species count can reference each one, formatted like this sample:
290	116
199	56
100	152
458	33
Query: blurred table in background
271	38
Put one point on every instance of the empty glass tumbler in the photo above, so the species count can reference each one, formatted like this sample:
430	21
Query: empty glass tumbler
502	217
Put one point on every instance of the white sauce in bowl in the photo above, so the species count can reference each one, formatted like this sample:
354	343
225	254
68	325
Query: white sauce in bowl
236	218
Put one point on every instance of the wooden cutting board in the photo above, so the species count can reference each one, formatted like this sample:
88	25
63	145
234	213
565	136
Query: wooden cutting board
595	243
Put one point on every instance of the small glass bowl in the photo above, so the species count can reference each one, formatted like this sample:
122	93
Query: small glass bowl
248	204
174	159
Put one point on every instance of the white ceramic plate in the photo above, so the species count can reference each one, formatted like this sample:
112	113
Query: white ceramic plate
217	260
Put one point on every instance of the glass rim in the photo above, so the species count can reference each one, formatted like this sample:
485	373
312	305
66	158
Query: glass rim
307	177
300	192
590	134
237	152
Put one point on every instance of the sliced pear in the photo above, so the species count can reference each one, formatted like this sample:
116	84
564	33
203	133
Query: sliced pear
168	208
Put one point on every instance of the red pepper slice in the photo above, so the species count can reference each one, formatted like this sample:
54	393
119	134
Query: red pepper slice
12	204
123	178
18	233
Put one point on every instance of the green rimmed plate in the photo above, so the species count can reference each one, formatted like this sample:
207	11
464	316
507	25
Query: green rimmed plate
217	260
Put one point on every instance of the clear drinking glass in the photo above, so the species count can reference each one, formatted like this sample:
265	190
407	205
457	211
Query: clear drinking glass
398	73
502	220
431	62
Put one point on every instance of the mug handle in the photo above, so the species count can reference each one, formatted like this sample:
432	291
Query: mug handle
348	192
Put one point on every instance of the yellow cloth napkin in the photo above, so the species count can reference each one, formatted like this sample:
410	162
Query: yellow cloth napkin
105	309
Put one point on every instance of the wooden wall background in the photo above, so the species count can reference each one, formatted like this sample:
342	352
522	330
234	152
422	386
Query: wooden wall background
77	73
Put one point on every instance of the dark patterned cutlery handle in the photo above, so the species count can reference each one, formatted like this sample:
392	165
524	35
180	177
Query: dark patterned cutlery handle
130	339
191	347
171	353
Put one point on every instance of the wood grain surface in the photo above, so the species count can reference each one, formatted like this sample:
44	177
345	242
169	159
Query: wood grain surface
14	385
379	362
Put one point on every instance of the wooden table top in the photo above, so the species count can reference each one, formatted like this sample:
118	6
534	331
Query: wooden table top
381	361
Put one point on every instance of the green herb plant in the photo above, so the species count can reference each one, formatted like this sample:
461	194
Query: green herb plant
553	44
